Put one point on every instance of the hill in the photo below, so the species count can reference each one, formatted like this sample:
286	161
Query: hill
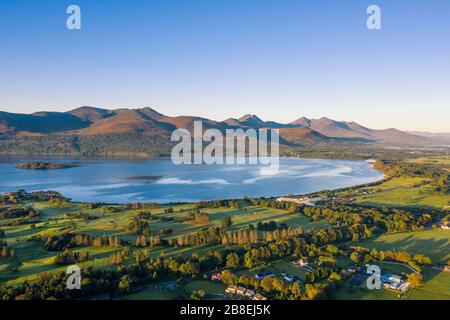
145	130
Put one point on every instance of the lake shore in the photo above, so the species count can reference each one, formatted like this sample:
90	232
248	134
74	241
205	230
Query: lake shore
160	181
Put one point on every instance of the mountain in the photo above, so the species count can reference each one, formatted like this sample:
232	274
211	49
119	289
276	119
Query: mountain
232	122
187	122
145	130
90	114
341	129
443	137
302	136
40	122
251	120
151	113
352	131
303	122
126	121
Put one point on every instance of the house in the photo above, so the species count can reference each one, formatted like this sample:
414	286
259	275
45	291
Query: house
444	225
261	276
399	287
392	278
249	293
308	201
259	297
216	277
350	270
403	287
231	289
392	286
301	262
289	277
241	291
446	268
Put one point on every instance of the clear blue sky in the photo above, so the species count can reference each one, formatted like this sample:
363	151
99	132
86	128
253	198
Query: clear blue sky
279	59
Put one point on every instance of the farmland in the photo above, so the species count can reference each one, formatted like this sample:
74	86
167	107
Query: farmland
436	287
405	191
31	259
433	243
154	251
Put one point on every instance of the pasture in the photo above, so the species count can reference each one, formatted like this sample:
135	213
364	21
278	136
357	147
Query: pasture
432	243
405	192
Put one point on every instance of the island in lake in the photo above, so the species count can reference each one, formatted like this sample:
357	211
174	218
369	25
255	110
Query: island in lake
44	166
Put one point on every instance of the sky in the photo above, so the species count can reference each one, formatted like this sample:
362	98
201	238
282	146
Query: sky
279	59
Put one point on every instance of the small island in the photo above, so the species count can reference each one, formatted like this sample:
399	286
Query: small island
44	166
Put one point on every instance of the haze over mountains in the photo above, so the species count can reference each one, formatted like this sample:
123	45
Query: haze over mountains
97	122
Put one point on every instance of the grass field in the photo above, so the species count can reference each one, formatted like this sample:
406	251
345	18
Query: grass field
277	268
212	289
150	294
31	259
436	287
432	243
434	161
405	192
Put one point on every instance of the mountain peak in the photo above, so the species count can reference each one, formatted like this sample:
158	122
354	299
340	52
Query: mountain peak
250	118
302	121
90	114
325	119
152	113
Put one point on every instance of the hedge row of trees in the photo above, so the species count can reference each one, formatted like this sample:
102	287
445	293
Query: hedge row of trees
383	219
66	257
217	204
5	251
361	254
69	240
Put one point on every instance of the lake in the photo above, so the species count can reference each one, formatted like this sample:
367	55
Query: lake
120	181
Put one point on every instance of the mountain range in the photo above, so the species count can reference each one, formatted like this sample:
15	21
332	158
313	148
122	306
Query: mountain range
85	123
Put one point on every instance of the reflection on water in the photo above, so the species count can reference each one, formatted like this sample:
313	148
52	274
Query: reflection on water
119	181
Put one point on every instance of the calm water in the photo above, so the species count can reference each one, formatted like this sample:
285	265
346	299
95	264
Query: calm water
109	180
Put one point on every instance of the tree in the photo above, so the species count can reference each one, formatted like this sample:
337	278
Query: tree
415	279
198	294
266	284
126	283
332	249
232	260
226	223
248	261
354	257
228	277
4	253
2	234
313	292
190	268
335	277
296	290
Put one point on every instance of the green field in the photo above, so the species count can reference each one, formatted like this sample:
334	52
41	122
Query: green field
436	286
31	259
432	243
405	192
150	294
212	289
277	268
433	161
